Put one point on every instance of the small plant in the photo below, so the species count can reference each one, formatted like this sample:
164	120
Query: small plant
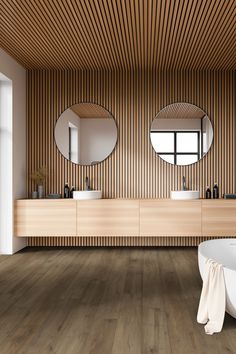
39	175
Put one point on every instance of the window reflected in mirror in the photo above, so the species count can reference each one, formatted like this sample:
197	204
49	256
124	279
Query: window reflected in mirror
86	133
181	134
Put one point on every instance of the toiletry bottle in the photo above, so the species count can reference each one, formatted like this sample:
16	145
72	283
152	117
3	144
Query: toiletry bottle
208	193
215	191
71	191
66	191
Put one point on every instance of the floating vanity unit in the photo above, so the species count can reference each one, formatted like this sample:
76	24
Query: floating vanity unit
125	218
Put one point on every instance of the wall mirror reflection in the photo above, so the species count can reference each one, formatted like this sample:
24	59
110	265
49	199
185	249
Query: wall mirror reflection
181	133
86	133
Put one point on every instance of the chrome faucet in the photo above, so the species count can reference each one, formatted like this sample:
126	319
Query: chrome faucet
184	183
87	186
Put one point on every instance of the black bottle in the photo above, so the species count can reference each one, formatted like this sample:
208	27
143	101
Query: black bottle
215	191
71	191
66	191
208	193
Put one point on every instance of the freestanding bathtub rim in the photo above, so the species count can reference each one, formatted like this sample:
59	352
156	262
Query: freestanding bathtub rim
203	251
220	248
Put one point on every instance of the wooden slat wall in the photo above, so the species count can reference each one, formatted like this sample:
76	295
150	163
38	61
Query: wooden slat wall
133	98
117	241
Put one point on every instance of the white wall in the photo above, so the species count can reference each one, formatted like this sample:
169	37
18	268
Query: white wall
62	132
6	165
97	140
207	134
13	136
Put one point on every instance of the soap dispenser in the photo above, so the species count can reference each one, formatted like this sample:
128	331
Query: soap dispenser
208	193
215	191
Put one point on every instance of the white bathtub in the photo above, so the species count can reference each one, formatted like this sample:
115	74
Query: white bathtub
222	251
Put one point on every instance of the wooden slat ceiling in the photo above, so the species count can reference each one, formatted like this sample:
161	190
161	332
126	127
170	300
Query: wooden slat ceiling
120	34
90	110
181	111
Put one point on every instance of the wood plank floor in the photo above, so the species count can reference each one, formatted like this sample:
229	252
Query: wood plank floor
105	301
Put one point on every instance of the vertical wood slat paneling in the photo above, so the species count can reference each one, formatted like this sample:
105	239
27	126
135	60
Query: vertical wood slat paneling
125	241
133	170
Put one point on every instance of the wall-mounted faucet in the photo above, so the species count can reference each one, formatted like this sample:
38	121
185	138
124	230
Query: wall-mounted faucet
87	185
184	188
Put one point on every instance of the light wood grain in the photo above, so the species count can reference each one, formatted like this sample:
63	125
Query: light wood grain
90	110
119	241
219	218
108	218
180	110
120	222
170	218
120	35
45	218
133	170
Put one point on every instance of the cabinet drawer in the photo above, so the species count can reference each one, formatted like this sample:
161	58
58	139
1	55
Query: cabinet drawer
170	218
219	218
106	217
45	218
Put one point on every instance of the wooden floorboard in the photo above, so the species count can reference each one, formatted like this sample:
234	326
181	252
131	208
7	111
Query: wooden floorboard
105	301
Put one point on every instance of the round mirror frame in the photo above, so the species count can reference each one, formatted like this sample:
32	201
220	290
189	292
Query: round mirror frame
156	117
111	116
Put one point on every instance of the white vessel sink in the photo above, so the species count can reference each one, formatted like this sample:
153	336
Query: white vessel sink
86	195
184	195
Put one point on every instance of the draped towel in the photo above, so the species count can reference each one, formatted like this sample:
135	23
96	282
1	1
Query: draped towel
211	310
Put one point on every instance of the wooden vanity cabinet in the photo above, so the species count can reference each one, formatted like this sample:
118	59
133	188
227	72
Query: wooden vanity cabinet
219	217
125	217
170	218
45	217
108	217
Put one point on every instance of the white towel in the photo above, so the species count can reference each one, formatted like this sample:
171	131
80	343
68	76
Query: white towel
212	304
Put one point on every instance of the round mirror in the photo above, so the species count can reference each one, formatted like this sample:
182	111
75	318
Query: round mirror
86	133
181	133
